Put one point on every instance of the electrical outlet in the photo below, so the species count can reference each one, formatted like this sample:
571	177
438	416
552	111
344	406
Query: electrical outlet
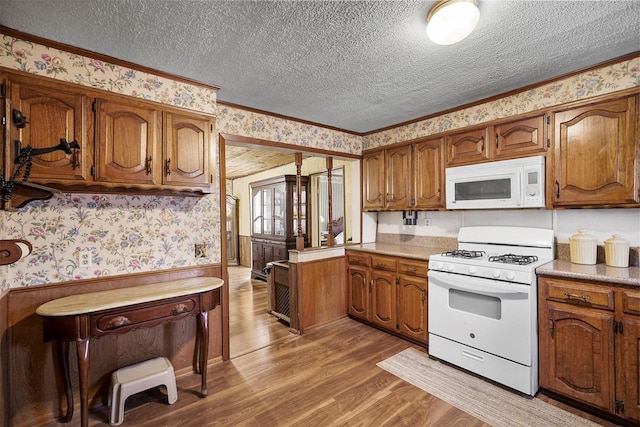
84	258
200	250
427	222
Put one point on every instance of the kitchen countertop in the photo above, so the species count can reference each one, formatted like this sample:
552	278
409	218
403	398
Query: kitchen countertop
597	272
407	251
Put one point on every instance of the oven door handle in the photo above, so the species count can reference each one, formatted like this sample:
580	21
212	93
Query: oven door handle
473	284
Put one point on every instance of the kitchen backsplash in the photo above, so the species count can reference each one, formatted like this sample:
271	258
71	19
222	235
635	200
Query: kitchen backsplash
601	223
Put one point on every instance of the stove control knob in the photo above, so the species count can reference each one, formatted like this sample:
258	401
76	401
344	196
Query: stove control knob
473	270
511	275
496	273
450	267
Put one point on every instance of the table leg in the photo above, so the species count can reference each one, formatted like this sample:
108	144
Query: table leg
203	320
62	353
82	347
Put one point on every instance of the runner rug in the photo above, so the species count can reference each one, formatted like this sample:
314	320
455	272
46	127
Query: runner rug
475	396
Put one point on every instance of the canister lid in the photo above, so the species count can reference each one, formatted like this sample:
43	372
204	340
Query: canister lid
616	240
582	236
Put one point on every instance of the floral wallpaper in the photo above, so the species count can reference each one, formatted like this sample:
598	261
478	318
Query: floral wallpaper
60	65
616	77
124	234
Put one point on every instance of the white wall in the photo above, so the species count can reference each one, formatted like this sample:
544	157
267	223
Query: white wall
601	223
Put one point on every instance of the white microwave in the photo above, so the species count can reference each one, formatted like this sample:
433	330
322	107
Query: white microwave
517	183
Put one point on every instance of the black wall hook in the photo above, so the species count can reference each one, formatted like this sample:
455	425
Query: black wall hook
19	119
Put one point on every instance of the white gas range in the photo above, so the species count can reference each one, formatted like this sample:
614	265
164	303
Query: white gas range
483	303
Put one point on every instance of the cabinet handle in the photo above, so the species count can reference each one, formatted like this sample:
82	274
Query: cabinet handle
482	144
439	194
557	189
148	165
168	167
179	309
497	145
117	322
575	296
552	325
75	158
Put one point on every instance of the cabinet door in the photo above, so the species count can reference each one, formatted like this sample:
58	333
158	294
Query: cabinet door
53	113
358	291
629	375
520	138
412	307
373	181
595	155
126	143
398	177
471	146
428	174
383	299
187	140
577	353
257	257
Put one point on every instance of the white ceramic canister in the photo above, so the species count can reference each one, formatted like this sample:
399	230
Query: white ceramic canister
616	251
583	248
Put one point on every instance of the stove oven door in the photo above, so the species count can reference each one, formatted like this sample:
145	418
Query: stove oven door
489	315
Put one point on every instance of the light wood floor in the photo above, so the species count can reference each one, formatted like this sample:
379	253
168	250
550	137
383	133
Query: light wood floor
327	377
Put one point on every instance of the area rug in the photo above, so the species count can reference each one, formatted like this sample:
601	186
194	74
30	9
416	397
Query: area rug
475	396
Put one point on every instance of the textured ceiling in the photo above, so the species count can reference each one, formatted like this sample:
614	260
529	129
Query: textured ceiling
354	65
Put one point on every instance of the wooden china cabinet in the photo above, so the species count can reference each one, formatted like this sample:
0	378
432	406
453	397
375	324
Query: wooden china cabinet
274	220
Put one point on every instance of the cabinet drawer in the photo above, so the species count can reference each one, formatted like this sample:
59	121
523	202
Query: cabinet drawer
280	253
357	259
579	294
383	263
631	302
141	316
413	268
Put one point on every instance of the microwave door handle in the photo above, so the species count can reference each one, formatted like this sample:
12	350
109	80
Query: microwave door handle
519	184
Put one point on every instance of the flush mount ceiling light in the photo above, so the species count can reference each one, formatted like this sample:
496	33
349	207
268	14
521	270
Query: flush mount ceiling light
450	21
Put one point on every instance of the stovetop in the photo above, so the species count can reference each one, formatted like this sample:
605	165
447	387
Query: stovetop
508	254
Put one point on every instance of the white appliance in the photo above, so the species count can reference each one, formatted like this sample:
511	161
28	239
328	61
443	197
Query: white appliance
483	303
517	183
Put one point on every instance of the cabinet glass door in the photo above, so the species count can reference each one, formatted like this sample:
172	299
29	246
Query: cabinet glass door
266	212
303	210
257	213
279	210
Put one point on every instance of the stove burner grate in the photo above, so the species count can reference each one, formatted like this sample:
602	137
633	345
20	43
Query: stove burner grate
514	259
464	254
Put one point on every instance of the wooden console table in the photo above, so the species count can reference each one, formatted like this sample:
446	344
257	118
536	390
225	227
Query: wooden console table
82	317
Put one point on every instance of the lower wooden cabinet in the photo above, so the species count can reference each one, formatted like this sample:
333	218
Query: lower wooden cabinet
263	252
388	292
589	339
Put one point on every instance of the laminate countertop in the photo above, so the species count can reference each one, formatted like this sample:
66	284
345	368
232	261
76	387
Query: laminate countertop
407	251
598	272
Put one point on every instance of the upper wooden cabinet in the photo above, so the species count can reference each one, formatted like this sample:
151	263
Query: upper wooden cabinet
52	115
126	143
428	174
503	140
398	177
468	146
595	155
186	149
373	181
523	137
405	177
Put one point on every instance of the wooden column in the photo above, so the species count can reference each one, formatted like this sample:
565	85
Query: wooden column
299	235
330	237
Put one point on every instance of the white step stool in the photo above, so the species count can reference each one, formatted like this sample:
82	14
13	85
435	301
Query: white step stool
139	377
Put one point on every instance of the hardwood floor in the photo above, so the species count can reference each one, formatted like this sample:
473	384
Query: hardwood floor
250	326
327	377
